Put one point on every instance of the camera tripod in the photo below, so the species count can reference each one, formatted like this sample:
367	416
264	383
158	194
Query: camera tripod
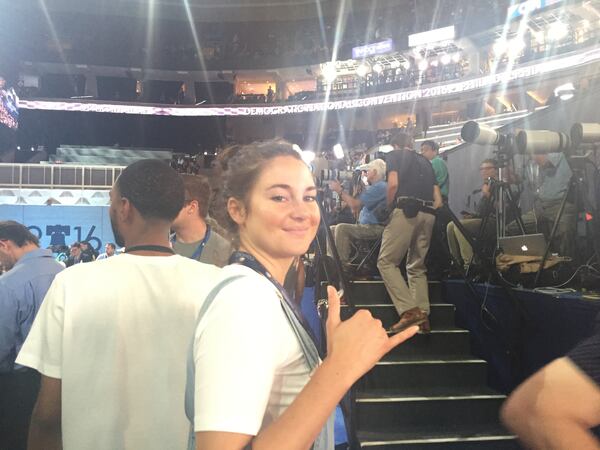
577	186
501	201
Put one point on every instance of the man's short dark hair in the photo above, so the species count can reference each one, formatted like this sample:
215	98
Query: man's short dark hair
431	144
112	245
153	188
197	188
401	140
17	233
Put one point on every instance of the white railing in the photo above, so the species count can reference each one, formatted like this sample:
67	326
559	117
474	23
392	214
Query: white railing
51	176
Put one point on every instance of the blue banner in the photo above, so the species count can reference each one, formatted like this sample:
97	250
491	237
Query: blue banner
527	7
63	225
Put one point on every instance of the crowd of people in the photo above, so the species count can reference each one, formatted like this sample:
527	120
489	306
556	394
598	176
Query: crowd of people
69	335
206	287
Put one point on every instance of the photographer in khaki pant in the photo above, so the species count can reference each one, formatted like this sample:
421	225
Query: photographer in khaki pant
414	195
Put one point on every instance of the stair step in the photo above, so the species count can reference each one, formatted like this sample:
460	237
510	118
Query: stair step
419	370
426	393
440	315
444	340
403	411
490	437
374	292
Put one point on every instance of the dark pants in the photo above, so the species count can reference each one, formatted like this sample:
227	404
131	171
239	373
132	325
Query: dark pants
438	257
18	393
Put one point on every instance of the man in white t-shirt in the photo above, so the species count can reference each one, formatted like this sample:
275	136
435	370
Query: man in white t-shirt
113	360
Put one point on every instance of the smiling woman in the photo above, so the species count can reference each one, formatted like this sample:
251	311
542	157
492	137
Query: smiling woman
258	379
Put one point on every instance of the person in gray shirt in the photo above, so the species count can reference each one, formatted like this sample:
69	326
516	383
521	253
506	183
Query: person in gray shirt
193	237
550	179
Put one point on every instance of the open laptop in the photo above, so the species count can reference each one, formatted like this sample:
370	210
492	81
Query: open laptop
524	245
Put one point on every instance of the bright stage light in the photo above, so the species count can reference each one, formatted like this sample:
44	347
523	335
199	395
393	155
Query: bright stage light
395	64
565	91
378	68
456	57
445	59
308	156
406	65
385	148
423	65
557	31
362	70
435	63
338	151
329	72
499	47
515	47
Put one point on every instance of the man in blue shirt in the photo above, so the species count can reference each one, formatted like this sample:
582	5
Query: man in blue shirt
368	226
30	271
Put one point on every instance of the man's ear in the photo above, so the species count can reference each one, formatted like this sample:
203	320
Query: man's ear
126	211
4	244
193	207
236	210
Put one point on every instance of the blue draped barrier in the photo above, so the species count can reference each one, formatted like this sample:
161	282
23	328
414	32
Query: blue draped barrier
548	327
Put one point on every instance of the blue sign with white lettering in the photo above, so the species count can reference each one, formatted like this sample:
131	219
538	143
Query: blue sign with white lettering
63	225
377	48
526	8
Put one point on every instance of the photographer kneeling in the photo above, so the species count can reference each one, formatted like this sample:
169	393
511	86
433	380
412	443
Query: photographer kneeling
368	226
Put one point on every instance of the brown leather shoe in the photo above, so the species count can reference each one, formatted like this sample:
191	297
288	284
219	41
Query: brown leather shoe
409	316
425	327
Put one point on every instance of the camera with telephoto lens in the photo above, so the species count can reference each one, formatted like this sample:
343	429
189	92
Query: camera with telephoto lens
333	174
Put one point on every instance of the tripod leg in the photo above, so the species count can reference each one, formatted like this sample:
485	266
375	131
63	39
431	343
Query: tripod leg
514	208
481	232
473	242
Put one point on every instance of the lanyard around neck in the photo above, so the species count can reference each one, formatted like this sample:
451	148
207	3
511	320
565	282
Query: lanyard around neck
246	259
198	252
150	248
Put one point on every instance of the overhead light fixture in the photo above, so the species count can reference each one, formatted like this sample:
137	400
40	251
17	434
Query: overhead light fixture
395	64
445	59
565	91
423	65
362	70
338	151
435	63
585	24
378	68
557	31
456	57
406	65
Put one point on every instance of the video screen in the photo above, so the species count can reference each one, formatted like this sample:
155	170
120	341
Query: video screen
9	108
